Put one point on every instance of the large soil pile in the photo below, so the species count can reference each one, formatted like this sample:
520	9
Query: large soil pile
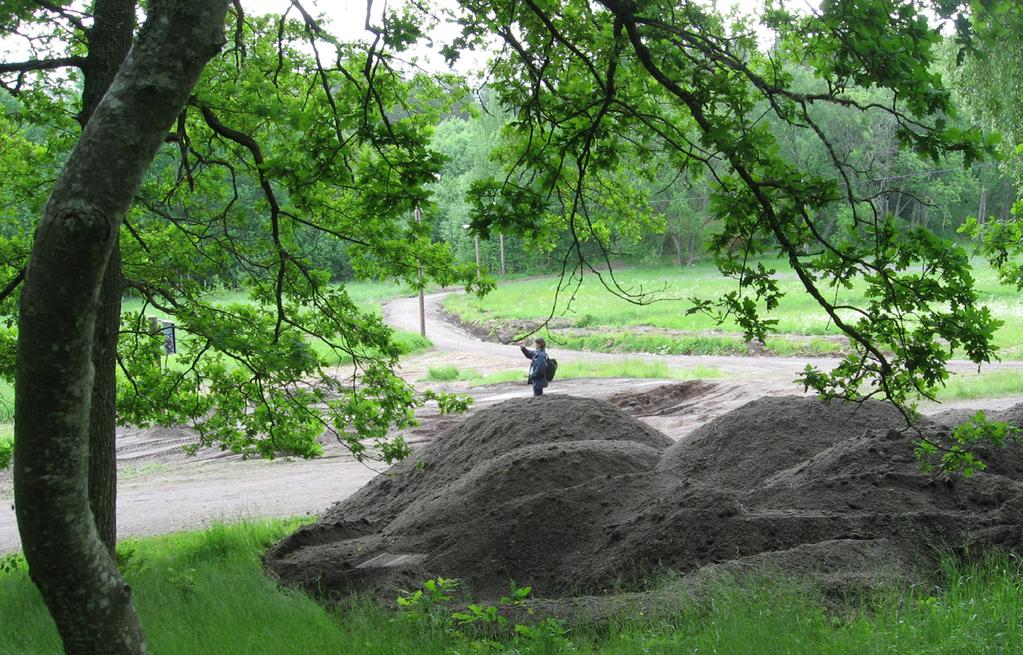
572	495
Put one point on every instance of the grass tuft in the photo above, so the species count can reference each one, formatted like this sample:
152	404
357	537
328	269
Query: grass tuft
443	373
6	402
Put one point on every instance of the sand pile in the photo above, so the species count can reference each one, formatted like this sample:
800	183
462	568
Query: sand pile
572	495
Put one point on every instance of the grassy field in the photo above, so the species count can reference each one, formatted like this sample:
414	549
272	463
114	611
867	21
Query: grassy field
596	310
627	368
205	592
984	385
368	295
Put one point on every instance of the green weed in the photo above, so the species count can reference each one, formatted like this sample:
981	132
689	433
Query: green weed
6	402
442	373
6	452
132	471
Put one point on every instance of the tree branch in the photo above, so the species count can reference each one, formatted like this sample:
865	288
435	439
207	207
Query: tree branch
41	64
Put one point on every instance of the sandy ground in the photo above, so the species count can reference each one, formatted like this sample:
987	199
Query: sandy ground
163	490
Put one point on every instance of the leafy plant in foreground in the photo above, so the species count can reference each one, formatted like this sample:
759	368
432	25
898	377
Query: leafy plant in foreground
430	605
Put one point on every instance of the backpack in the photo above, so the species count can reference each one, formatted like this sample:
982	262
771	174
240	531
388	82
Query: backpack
552	368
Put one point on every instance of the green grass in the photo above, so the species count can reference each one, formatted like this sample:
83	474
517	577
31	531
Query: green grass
6	402
983	385
6	423
625	341
205	592
443	373
595	308
132	471
635	368
626	368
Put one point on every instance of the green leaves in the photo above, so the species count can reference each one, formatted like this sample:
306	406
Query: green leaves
300	162
959	453
6	453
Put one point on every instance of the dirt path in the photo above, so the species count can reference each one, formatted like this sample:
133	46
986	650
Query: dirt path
162	490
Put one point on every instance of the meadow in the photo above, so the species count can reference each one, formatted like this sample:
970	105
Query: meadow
598	320
205	592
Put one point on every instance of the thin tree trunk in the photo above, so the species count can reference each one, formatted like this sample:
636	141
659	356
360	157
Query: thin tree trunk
109	39
89	601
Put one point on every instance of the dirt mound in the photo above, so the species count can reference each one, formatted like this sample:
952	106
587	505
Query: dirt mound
572	495
761	438
665	399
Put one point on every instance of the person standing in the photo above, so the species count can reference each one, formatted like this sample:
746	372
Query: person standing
538	367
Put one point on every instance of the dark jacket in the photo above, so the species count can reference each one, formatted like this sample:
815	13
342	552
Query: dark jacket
538	369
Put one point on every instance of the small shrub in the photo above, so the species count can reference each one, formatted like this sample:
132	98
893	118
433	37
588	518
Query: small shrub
12	562
442	373
410	342
6	401
6	453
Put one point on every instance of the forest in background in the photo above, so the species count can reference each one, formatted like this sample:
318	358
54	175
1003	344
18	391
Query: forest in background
658	216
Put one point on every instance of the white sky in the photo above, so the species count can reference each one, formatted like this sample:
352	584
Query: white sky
346	20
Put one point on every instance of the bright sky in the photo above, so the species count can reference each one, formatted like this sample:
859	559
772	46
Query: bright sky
347	17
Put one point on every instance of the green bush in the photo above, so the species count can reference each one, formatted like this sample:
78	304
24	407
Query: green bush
442	373
6	401
6	452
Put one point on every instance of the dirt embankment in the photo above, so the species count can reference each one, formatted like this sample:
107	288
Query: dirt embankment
573	495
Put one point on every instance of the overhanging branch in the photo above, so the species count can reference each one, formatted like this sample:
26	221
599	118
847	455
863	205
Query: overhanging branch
41	64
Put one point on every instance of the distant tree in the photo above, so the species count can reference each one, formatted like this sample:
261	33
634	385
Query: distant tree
987	77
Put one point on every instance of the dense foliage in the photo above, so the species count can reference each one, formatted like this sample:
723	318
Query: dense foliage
298	160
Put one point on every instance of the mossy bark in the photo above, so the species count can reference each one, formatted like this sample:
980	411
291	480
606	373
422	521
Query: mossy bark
55	370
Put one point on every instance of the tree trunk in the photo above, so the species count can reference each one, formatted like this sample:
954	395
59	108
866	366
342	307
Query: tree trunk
109	40
103	407
89	601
